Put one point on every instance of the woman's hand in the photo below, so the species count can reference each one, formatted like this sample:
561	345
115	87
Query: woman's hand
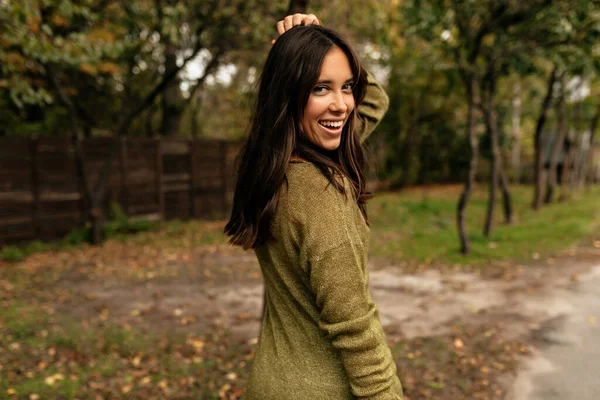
294	20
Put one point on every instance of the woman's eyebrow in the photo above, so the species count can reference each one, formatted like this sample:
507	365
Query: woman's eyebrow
329	81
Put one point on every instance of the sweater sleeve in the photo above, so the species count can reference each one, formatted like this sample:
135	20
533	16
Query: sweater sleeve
347	315
372	109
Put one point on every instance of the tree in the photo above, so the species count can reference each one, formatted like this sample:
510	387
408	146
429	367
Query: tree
106	42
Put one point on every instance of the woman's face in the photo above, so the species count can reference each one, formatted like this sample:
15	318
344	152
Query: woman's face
330	102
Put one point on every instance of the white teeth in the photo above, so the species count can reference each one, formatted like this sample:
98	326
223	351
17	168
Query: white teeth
331	124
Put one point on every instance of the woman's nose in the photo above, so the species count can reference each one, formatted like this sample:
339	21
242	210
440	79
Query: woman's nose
338	103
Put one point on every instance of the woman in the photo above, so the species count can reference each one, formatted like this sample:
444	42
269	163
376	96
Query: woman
300	204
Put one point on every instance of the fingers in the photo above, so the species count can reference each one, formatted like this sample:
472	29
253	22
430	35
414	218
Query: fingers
288	22
294	20
280	28
297	19
311	19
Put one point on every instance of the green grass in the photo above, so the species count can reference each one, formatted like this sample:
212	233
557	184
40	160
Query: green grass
417	225
421	227
55	356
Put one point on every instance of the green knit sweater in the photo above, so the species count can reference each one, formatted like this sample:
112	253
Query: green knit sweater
321	338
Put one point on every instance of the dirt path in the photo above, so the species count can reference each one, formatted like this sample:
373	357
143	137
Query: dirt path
522	300
567	362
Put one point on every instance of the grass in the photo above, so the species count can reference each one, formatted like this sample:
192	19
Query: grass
420	226
416	226
60	357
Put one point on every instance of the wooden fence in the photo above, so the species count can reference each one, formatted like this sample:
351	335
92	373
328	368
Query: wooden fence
41	197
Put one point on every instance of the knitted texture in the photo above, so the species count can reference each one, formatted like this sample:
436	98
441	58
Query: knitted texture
321	337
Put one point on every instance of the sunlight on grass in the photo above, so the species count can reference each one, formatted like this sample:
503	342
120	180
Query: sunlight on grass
420	225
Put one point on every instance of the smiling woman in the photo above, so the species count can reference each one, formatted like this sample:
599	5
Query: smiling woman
300	203
331	101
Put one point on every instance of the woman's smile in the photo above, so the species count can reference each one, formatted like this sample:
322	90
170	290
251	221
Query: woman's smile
331	101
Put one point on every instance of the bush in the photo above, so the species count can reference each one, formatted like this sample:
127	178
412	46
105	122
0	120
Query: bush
12	253
120	224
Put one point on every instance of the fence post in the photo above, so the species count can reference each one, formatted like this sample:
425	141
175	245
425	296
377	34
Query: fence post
193	179
35	186
224	173
159	178
124	188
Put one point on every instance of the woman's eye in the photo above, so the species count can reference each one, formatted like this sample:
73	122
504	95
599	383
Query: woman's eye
319	89
347	87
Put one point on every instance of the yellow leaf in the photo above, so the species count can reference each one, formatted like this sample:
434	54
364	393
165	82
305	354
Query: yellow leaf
109	68
232	376
126	389
88	69
145	380
11	392
136	361
101	35
458	343
59	20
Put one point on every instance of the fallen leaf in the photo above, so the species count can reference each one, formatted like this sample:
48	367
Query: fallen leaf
458	343
136	361
232	376
145	380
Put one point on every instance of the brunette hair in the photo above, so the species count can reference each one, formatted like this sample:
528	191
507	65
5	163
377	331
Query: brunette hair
289	75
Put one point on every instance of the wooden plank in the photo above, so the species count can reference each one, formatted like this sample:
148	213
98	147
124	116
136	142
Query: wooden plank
174	187
60	196
8	236
159	177
124	176
193	178
25	219
224	206
35	186
175	147
176	178
74	216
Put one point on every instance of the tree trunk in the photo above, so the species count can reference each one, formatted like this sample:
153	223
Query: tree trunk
589	169
558	147
516	132
465	245
491	208
497	175
506	197
539	157
407	160
567	170
297	6
172	100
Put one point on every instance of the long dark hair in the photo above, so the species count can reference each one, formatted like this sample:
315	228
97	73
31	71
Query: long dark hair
289	75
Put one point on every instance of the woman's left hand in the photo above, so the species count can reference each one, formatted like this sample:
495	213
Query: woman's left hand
294	20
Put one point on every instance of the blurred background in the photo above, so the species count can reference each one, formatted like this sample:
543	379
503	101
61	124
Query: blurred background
119	126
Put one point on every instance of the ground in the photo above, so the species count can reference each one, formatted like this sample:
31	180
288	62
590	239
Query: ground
456	333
